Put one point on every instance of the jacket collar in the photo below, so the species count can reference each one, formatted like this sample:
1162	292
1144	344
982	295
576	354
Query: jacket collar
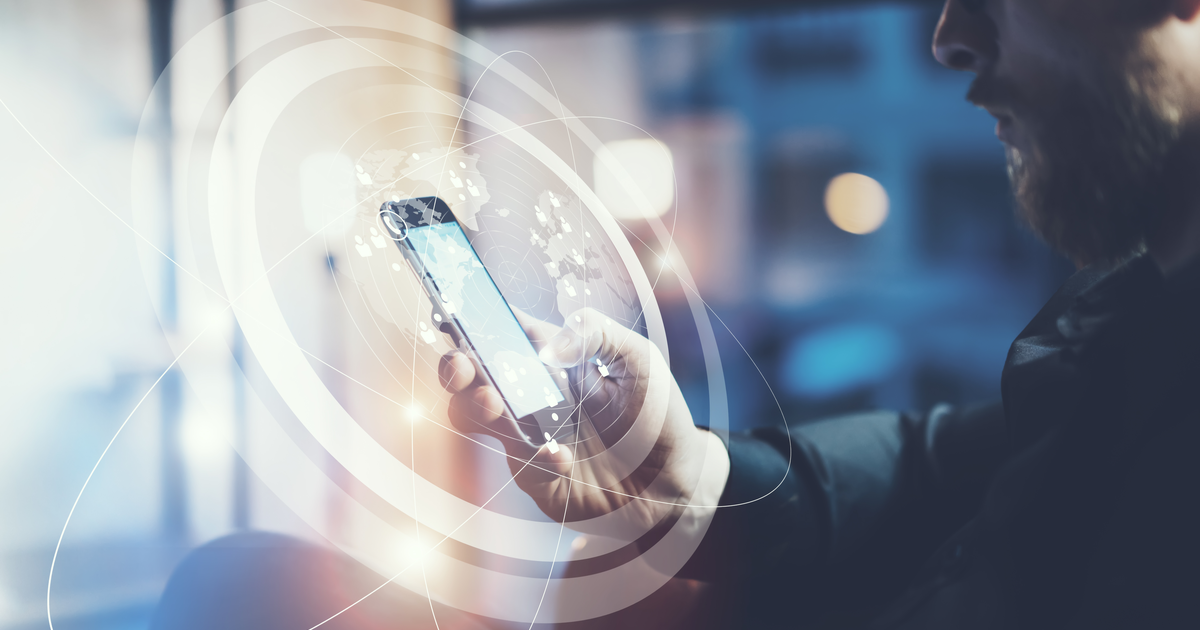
1141	329
1045	373
1095	310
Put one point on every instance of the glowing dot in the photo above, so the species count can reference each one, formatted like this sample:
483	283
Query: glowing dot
579	543
205	437
462	164
856	203
416	156
415	412
417	552
578	319
396	266
437	318
462	197
588	234
668	260
562	374
554	417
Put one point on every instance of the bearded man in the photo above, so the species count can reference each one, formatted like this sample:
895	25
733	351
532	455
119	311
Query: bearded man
1073	504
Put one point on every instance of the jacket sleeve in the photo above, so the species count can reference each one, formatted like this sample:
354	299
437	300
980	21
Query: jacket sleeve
842	511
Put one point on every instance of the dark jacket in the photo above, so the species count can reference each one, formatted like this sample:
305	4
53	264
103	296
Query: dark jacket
1074	504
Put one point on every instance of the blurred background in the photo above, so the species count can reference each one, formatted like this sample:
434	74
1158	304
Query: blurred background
845	213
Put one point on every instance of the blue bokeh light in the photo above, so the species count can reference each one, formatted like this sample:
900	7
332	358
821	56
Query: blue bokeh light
840	358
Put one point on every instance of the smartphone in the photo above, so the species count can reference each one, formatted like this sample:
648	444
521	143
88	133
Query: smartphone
469	307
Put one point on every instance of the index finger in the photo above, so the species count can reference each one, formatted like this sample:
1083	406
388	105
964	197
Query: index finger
455	371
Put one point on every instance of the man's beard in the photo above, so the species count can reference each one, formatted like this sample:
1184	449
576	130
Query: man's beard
1092	185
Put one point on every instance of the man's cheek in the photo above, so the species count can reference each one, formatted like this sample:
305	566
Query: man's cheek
1061	36
1073	17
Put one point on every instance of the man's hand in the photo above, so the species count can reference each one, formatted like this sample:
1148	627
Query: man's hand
637	447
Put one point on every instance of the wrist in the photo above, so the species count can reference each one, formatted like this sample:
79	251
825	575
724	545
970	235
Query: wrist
706	473
714	473
698	493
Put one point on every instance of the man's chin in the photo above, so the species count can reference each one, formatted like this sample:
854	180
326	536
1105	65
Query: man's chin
1072	210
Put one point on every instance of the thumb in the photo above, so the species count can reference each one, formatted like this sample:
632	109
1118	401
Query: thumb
538	331
587	335
566	349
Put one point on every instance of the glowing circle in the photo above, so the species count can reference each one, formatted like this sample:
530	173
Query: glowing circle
627	167
856	203
288	473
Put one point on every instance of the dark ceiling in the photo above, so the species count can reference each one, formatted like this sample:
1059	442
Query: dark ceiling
471	13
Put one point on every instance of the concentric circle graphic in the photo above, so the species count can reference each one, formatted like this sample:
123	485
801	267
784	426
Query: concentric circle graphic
546	238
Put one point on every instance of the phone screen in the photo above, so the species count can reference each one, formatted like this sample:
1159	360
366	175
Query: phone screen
469	295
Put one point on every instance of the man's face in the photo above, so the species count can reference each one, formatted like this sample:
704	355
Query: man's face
1086	117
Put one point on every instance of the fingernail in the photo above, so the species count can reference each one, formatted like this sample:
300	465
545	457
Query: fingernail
553	350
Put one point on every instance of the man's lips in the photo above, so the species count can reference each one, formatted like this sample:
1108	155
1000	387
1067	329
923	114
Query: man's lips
993	94
1004	122
1004	129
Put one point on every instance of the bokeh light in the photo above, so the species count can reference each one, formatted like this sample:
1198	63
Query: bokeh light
837	359
856	203
326	190
650	168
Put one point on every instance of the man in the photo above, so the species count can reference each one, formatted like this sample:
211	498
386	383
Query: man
1075	504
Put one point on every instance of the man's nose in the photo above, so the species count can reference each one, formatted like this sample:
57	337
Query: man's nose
964	40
